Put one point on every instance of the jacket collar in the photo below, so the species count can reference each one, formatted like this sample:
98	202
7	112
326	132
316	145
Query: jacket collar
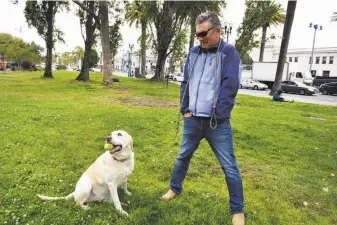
213	48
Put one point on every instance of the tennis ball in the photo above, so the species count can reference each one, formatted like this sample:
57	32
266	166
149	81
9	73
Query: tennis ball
107	146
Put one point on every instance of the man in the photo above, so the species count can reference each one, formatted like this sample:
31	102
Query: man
207	107
277	97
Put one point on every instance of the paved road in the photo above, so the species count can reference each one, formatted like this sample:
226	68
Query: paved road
318	98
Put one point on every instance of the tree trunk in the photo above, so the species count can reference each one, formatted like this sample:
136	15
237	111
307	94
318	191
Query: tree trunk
143	48
113	62
165	33
104	31
84	74
284	45
192	33
90	27
263	42
49	40
160	66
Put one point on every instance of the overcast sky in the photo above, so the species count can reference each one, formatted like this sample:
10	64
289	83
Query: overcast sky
316	11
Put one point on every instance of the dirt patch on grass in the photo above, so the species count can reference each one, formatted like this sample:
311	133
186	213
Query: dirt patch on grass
149	102
252	171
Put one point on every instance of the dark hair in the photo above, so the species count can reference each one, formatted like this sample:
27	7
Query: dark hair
279	91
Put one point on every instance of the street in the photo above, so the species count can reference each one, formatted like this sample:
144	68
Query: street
318	98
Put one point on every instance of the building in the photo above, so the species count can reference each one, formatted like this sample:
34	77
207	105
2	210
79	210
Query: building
121	62
324	64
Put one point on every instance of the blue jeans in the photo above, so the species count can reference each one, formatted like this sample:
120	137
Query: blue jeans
221	142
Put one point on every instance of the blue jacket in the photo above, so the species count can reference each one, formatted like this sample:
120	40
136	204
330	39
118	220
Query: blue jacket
199	94
276	96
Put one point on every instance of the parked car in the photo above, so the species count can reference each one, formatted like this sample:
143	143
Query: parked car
328	88
256	85
95	69
298	87
178	77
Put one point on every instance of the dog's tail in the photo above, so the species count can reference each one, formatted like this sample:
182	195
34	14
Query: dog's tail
55	198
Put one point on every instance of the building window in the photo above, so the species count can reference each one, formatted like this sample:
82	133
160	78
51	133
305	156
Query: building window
313	73
317	60
309	59
296	59
326	73
299	75
331	60
324	60
290	59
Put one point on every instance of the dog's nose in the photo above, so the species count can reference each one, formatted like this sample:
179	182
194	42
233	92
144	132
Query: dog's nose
108	138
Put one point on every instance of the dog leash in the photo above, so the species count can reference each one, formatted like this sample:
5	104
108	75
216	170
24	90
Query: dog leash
213	116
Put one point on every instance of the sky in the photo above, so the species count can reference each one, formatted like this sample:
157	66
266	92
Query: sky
315	11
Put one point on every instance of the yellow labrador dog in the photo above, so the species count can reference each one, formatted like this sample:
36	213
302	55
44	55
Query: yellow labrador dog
110	171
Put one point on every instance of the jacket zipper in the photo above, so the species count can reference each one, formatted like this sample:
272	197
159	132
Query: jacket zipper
202	73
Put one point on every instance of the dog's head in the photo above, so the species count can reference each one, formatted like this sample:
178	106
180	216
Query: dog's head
122	143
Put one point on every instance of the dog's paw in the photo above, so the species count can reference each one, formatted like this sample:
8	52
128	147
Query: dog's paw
85	207
123	212
128	193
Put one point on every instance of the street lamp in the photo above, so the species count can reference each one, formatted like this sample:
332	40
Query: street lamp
313	44
228	29
130	59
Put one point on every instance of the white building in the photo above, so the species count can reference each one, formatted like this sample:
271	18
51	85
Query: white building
324	64
122	61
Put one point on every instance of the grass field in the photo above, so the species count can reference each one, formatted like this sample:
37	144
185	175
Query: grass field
52	130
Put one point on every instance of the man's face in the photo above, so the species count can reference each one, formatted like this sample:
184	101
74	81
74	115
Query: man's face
212	34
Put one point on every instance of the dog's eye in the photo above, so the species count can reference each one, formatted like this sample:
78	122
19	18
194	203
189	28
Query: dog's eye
119	134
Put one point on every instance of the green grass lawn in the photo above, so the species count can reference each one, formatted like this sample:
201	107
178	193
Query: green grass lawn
52	130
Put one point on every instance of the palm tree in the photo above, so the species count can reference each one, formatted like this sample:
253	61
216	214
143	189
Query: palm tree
139	12
284	45
271	13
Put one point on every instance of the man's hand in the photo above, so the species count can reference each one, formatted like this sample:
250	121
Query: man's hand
188	114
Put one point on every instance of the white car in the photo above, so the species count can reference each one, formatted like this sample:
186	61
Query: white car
254	84
178	77
96	69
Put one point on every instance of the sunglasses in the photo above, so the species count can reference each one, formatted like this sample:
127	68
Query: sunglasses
203	33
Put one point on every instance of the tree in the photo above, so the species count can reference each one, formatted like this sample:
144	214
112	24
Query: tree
102	20
140	12
42	17
258	14
115	40
67	59
284	45
246	37
334	17
15	49
87	20
93	58
168	18
178	51
78	52
270	13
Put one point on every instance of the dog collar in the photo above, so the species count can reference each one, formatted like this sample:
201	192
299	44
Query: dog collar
120	160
